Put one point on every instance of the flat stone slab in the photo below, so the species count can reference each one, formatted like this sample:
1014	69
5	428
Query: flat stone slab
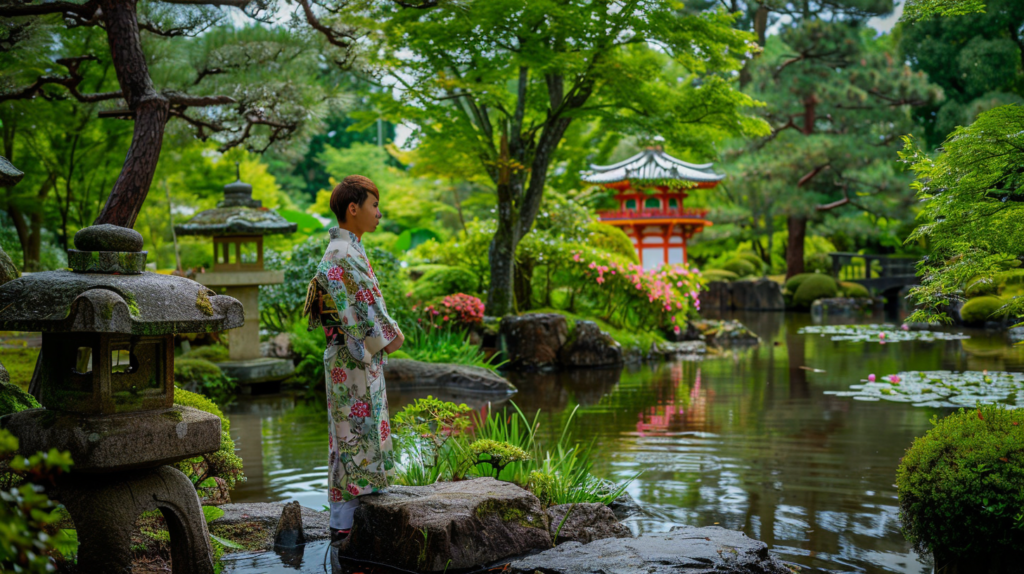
261	370
315	523
410	375
448	525
689	550
137	440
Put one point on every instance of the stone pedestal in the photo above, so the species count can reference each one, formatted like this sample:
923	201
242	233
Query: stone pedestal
104	508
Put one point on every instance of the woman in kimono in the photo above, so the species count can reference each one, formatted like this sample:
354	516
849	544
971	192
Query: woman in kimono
344	299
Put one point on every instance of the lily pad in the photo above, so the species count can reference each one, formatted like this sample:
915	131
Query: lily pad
869	333
942	388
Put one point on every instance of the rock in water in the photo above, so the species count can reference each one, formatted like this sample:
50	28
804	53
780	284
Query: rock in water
589	346
761	295
447	525
8	272
410	375
687	550
289	528
532	341
586	522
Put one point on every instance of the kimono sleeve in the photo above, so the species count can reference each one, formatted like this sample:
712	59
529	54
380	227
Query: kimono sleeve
361	315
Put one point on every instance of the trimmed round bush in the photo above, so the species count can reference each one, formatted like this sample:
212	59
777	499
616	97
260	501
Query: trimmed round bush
961	486
981	309
740	267
818	286
719	275
441	281
753	259
794	282
612	239
981	286
855	290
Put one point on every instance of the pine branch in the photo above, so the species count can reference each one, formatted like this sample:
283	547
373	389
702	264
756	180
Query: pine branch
421	6
13	10
339	38
70	82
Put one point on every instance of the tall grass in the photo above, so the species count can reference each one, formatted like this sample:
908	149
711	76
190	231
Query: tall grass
557	474
444	344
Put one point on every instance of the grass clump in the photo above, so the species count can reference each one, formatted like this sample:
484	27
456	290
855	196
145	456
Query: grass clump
960	486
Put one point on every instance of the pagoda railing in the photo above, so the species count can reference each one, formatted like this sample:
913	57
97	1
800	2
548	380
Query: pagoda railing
670	213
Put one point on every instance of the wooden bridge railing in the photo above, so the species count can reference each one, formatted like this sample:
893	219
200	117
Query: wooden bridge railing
859	268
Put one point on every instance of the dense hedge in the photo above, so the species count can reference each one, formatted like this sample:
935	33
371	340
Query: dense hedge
961	486
441	281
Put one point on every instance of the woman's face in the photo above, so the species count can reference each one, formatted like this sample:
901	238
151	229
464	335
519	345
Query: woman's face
367	216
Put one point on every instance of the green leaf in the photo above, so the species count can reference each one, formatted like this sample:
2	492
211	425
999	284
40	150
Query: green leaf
226	542
306	222
66	542
211	513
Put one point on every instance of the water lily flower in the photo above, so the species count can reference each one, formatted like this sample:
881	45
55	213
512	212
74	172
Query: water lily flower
894	379
871	377
881	335
905	327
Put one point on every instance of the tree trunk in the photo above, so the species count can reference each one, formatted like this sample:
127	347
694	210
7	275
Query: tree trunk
524	286
150	110
502	252
795	245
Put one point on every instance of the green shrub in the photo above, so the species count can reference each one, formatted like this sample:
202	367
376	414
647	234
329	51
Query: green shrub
981	286
740	267
818	263
442	281
719	275
399	354
794	282
960	485
212	353
13	399
855	290
981	309
202	376
223	463
818	286
753	259
612	239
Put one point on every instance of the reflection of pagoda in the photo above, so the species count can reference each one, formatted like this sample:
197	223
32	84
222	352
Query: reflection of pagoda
677	414
650	191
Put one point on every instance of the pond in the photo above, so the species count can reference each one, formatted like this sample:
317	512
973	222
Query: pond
750	440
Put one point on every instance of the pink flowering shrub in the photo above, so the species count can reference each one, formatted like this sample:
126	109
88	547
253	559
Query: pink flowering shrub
458	309
627	296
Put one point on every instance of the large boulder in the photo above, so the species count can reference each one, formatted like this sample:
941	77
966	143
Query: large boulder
760	295
687	550
410	375
532	341
589	346
584	522
448	525
716	295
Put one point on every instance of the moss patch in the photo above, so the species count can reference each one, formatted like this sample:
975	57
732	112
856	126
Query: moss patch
20	364
628	339
251	535
13	399
203	302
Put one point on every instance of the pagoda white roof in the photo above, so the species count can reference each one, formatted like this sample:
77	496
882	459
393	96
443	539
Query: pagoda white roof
651	164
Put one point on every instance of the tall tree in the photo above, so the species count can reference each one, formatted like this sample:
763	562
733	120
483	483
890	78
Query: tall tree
221	85
837	101
977	59
501	81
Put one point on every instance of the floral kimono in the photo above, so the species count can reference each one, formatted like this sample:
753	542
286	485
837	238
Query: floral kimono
344	299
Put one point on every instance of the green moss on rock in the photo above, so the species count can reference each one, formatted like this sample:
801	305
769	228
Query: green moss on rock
203	302
981	309
13	399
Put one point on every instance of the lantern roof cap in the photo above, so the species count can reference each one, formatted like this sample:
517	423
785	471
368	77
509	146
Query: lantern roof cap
142	304
237	214
651	164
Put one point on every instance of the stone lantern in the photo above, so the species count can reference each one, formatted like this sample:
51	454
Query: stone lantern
238	225
106	376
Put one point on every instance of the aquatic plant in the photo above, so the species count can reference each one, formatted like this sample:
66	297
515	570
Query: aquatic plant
880	333
960	485
941	388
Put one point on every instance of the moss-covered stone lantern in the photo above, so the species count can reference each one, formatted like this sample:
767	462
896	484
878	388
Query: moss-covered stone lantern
238	225
106	383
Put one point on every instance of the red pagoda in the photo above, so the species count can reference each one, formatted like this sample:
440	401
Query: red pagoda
651	208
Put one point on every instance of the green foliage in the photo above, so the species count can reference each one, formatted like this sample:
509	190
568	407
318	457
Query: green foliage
427	437
611	239
498	454
981	286
959	485
916	10
817	286
972	206
213	353
794	282
741	267
28	531
223	463
719	275
204	377
444	343
441	281
981	309
281	303
13	399
855	290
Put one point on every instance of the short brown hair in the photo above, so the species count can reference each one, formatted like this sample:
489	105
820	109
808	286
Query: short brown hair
352	189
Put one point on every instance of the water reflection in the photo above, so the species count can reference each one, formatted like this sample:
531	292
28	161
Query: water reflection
747	440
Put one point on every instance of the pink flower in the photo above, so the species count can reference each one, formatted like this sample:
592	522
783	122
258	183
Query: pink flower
338	375
676	329
335	273
871	377
894	379
881	335
576	257
445	318
600	280
361	409
679	283
592	265
905	327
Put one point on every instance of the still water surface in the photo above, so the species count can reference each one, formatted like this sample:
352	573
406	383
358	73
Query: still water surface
747	440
